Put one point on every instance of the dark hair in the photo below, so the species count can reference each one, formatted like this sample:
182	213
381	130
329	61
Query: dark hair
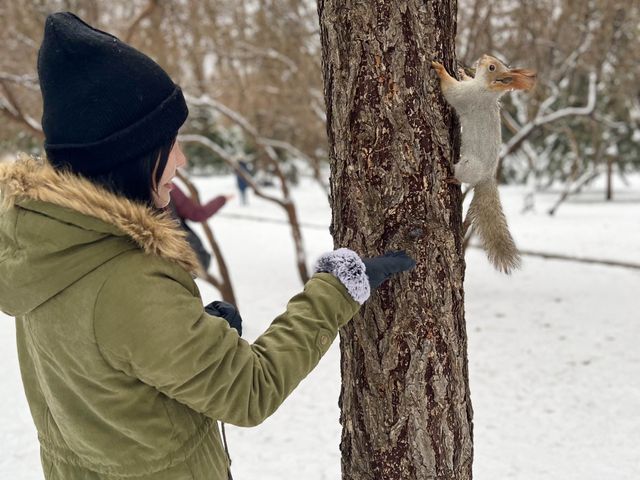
137	179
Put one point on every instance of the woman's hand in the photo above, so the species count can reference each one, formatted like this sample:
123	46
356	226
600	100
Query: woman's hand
227	311
379	269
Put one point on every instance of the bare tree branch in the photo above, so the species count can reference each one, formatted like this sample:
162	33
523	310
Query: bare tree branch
585	178
143	14
11	108
295	152
270	53
515	141
230	160
224	285
27	81
286	203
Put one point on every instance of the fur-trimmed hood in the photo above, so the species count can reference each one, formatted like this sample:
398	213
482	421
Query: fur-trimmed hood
75	217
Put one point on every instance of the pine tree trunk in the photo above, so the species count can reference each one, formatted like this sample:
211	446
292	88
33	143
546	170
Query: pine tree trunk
405	406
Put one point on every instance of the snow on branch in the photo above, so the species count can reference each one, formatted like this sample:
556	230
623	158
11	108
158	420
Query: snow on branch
270	53
9	106
28	81
239	119
236	117
286	203
230	160
542	119
569	111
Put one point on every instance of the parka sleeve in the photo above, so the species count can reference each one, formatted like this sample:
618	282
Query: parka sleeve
150	323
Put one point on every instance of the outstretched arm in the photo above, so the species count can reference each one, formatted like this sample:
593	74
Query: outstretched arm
190	210
455	92
446	80
170	343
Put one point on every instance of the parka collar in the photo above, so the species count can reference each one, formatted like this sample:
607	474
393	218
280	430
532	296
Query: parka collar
32	180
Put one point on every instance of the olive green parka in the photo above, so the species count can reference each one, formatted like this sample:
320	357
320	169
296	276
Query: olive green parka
125	374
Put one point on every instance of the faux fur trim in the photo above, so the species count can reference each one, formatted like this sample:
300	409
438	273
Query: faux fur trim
157	233
347	266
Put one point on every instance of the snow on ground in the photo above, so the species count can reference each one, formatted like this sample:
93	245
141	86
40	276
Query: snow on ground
554	364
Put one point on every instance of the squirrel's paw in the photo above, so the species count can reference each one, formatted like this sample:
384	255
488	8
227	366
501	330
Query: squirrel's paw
437	66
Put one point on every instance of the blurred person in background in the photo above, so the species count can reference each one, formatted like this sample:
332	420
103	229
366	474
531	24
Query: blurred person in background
185	208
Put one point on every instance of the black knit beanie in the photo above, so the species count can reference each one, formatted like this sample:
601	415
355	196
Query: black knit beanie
104	102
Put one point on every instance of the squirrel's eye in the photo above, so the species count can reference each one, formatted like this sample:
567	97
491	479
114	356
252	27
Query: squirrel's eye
492	68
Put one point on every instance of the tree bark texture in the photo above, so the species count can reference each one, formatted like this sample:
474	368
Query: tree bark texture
405	404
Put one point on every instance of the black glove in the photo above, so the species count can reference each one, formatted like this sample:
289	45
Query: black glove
381	268
227	311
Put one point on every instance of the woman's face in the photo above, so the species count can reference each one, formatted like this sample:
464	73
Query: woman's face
176	160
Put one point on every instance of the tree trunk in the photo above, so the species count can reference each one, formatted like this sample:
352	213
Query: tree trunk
405	405
610	159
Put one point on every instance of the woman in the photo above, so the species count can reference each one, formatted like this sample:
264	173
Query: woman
125	373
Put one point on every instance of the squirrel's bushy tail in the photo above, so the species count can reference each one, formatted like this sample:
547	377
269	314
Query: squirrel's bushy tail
488	219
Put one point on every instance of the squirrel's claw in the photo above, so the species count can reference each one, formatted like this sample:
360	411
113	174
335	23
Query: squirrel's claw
446	80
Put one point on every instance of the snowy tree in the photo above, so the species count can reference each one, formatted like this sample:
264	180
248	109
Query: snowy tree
405	405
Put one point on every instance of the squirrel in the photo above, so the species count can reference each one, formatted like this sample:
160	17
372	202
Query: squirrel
476	101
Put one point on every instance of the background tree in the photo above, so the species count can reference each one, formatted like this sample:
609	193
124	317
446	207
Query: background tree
570	43
259	63
405	406
239	58
262	60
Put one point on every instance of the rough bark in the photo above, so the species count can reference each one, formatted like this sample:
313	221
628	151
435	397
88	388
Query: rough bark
405	405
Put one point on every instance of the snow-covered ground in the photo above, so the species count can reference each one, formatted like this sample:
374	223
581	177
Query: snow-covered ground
553	356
